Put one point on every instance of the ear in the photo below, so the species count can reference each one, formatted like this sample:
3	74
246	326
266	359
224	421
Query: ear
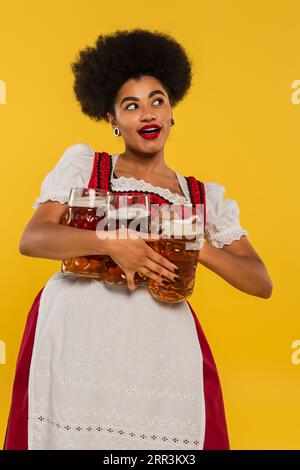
111	119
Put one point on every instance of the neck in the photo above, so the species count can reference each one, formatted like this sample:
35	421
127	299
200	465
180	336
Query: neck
144	163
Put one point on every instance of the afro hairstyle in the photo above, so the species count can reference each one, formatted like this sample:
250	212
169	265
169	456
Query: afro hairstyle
102	70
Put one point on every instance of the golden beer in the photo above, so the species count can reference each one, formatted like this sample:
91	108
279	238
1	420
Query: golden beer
87	207
181	241
128	212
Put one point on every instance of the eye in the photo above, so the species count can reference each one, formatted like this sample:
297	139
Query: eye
132	104
157	99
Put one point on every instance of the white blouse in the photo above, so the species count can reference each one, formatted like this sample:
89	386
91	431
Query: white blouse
74	169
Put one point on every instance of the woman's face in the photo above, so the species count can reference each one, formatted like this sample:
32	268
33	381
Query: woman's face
141	102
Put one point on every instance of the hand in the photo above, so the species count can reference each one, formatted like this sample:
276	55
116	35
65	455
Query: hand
129	249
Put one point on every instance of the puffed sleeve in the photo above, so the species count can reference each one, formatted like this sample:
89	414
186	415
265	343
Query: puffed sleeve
73	169
222	217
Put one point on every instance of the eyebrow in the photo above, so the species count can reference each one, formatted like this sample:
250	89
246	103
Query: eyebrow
134	98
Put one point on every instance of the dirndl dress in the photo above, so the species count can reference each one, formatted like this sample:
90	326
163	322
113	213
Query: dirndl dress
101	367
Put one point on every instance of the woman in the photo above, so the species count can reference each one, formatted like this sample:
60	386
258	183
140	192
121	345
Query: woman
105	368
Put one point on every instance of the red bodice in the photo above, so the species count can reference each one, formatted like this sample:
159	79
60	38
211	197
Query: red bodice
102	174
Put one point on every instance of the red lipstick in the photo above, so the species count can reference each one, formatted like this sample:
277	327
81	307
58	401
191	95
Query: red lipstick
149	131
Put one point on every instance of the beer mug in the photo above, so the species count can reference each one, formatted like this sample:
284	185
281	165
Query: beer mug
182	237
86	207
130	212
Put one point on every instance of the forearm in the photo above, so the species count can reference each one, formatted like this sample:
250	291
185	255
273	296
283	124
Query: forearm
55	241
243	272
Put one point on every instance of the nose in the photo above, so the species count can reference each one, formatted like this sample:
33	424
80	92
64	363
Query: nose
148	115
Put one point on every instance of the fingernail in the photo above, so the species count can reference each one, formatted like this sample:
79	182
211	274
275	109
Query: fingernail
176	271
177	279
165	282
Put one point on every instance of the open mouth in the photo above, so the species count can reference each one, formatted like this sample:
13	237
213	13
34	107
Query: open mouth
150	133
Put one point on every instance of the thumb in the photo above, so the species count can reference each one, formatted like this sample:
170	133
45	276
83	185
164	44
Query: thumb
130	281
147	236
150	237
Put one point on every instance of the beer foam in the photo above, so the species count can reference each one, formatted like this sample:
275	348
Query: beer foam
191	226
189	220
127	212
88	202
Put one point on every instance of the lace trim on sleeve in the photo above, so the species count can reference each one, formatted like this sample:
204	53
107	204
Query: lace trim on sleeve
226	238
60	196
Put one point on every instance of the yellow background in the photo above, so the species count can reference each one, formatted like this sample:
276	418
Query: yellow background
239	126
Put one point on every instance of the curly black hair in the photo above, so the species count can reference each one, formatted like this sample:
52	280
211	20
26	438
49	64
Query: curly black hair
101	71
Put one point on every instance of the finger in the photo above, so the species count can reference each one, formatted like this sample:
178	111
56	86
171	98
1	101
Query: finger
160	271
154	276
150	274
151	237
130	281
144	235
161	260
